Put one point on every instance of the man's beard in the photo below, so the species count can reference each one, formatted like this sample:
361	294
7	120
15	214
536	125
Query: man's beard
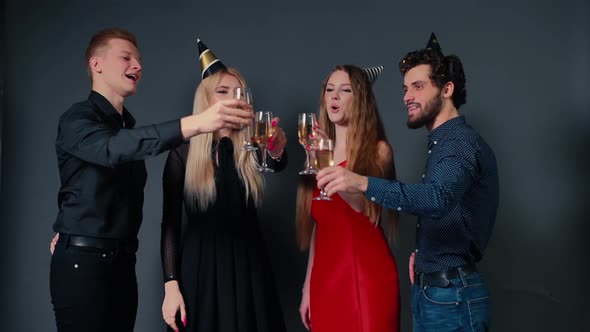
427	113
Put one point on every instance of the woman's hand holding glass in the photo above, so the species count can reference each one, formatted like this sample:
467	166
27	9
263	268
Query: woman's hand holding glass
263	131
278	140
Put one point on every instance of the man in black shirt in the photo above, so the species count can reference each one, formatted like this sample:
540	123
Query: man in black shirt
101	164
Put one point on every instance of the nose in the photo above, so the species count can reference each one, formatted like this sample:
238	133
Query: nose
408	97
335	95
136	64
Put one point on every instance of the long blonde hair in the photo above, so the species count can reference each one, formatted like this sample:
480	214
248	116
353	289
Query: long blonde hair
365	131
199	183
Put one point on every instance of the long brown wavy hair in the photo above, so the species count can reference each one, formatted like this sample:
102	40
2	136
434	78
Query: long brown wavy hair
365	131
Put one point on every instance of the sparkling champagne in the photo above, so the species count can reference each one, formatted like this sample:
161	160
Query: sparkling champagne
305	125
325	158
262	132
305	129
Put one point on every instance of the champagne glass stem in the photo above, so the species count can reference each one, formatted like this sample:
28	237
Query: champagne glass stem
264	165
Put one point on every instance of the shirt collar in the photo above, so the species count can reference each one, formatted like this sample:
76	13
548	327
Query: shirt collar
106	107
444	130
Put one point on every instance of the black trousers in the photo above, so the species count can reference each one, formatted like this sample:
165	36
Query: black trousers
93	290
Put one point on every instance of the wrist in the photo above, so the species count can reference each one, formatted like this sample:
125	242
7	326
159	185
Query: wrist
278	156
363	184
171	286
305	285
189	126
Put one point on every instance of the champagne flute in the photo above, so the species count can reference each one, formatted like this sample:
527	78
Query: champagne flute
305	123
263	131
245	94
325	158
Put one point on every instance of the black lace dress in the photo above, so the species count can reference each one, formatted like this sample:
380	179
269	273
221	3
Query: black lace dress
221	262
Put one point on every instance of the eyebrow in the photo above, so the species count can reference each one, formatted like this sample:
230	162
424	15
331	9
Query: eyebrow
128	52
222	87
341	84
414	83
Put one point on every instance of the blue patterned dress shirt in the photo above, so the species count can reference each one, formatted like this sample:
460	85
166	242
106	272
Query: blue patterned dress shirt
456	202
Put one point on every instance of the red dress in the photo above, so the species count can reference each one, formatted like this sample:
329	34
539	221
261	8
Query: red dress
354	280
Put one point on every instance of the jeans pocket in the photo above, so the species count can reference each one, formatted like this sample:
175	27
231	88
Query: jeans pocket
443	296
438	310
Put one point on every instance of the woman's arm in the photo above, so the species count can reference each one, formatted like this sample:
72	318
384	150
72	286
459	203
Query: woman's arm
304	307
173	186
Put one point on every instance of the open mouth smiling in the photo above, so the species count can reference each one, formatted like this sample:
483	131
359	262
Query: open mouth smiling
412	107
133	77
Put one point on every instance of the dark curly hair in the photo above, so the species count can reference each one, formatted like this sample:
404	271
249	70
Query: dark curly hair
444	69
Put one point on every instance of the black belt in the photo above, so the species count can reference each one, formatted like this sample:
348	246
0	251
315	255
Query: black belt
110	245
442	278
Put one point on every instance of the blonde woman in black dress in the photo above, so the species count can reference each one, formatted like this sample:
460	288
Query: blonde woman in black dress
217	274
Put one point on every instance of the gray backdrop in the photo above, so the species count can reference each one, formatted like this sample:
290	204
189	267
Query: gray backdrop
527	66
2	48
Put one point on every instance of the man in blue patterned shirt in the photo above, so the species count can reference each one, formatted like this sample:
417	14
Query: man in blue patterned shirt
456	202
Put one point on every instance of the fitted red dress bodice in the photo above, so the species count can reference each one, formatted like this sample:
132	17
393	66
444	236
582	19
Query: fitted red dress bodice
354	280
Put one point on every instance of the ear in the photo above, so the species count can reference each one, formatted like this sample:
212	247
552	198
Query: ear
448	89
95	64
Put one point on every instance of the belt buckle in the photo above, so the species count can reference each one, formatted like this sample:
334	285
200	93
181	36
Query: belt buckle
445	282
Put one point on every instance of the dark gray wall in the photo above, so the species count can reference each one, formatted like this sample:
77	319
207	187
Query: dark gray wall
527	66
2	55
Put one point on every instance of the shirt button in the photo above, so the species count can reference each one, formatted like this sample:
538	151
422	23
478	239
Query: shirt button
372	199
429	151
104	255
435	142
399	208
75	266
423	176
416	250
417	225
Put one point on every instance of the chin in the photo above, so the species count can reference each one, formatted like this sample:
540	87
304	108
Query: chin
414	123
335	118
130	92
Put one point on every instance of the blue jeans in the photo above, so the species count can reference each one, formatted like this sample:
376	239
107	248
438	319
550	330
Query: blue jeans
462	306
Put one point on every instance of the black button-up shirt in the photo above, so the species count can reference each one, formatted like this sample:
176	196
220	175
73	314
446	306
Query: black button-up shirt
100	157
456	202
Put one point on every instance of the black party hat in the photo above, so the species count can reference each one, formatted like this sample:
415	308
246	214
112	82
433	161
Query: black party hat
373	73
433	44
209	62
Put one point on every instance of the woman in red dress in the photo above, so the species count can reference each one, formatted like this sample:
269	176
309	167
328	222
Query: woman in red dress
351	282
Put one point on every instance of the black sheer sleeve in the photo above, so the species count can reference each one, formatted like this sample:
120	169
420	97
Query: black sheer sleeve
173	192
277	164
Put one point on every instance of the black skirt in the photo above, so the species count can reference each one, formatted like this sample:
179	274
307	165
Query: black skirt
225	275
